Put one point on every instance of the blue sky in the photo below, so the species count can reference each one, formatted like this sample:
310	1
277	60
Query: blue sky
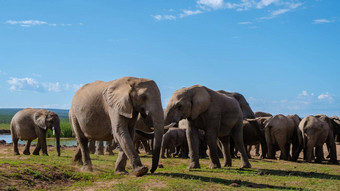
283	56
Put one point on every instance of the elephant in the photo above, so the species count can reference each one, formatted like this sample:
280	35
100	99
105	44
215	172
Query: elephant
314	131
139	139
281	132
29	124
99	150
262	114
253	134
246	110
108	110
175	140
218	115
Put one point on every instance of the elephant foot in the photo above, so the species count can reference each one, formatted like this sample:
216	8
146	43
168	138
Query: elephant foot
149	153
35	153
44	154
140	171
78	162
16	153
111	153
246	165
194	165
100	153
121	172
26	152
213	166
227	164
333	162
163	157
87	168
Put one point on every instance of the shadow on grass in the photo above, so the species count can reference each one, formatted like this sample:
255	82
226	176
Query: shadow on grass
299	173
224	181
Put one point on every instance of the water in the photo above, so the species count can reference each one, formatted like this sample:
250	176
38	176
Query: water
50	141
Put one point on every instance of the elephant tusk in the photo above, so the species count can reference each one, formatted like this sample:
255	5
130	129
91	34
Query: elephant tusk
169	126
53	129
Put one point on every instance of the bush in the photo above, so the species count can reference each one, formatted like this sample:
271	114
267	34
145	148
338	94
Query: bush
66	130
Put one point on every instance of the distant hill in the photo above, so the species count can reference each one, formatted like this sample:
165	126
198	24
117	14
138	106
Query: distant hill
6	114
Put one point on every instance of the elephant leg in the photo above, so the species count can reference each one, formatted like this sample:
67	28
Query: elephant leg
332	149
121	163
100	148
125	139
15	146
27	147
284	151
92	146
77	156
211	137
257	150
318	154
271	152
237	134
42	140
193	144
109	147
309	151
137	146
248	150
163	152
146	147
37	148
226	150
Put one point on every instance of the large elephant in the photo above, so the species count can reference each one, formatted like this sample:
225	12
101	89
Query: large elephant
218	115
314	131
105	110
281	132
175	139
246	110
29	124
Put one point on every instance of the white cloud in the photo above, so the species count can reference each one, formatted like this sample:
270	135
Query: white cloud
189	13
320	21
326	96
281	7
215	4
30	23
164	17
245	23
30	84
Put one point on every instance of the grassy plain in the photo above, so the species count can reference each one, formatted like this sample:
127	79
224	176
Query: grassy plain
58	173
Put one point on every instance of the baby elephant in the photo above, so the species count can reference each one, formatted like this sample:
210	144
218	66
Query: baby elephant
29	124
172	139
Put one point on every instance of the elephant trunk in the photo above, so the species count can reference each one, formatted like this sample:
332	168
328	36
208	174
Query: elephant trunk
57	137
158	123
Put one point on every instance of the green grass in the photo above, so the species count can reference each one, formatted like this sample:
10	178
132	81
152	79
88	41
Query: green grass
58	173
5	126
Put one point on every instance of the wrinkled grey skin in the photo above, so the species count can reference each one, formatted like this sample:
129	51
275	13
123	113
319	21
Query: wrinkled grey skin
105	110
172	139
281	132
29	124
218	115
314	131
262	114
99	149
246	110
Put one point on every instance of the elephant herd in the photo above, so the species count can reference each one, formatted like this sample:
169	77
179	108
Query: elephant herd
196	121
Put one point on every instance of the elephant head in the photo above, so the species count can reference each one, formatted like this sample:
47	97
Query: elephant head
246	110
49	120
187	103
129	96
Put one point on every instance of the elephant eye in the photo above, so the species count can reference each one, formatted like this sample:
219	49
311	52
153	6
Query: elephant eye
143	97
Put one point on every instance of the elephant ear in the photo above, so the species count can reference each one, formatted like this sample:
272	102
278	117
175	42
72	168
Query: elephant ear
40	119
117	96
200	101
